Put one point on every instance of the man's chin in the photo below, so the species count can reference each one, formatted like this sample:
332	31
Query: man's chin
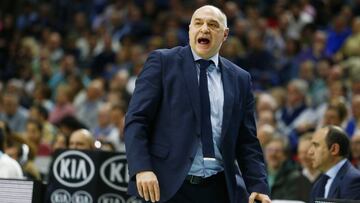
203	53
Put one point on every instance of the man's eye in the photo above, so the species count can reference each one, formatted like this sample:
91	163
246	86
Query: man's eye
213	25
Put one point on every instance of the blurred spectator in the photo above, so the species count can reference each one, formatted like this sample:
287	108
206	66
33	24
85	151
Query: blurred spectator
22	151
266	117
118	84
355	150
335	114
355	86
42	96
33	134
295	118
316	51
265	133
63	106
116	136
285	181
265	102
61	141
103	127
9	168
337	35
67	68
307	169
81	139
317	90
286	63
353	125
259	62
88	102
300	15
350	48
77	84
17	87
336	95
103	60
54	45
233	50
38	113
12	113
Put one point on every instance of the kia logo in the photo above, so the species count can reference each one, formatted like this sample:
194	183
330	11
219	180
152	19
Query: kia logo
111	198
73	169
114	173
133	199
60	196
81	197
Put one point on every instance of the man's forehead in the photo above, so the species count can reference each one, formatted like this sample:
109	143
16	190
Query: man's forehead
207	13
320	135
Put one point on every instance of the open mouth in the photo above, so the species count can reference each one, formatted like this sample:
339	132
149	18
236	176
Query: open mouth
204	41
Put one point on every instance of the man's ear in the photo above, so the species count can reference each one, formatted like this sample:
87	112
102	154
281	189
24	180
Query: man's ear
335	149
226	34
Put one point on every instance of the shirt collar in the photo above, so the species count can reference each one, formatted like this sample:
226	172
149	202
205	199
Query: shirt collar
214	58
335	169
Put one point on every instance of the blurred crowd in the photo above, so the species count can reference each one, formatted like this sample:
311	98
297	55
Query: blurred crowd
68	69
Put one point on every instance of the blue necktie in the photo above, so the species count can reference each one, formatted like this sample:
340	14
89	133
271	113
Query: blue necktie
322	183
206	129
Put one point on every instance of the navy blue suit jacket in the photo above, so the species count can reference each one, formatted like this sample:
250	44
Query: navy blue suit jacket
162	125
346	184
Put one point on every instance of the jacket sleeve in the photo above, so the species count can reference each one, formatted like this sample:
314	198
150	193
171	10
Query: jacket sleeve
141	114
248	151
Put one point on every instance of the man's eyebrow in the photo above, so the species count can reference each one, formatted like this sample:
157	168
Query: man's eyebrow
214	21
314	143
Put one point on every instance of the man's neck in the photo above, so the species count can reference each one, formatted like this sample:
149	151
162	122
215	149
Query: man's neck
335	161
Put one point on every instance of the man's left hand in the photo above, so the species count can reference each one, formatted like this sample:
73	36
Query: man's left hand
260	197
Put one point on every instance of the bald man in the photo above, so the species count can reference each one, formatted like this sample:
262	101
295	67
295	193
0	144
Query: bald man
81	139
190	126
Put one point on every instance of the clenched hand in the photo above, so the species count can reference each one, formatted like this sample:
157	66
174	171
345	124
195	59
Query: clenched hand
148	186
260	197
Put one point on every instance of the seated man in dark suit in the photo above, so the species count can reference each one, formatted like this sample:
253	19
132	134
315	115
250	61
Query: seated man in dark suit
329	151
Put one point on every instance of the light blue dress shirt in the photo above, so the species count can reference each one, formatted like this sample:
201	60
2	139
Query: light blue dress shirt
332	172
201	167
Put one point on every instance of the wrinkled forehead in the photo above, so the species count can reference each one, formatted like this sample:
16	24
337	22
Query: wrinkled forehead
209	13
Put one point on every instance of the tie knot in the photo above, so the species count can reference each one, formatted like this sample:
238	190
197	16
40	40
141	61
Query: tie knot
204	64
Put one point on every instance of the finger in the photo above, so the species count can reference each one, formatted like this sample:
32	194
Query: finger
157	191
139	188
145	191
252	197
151	191
267	200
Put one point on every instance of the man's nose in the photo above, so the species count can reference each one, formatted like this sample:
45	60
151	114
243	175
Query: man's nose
310	152
204	28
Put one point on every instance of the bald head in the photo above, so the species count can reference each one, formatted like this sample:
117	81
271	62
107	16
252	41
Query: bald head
215	10
81	139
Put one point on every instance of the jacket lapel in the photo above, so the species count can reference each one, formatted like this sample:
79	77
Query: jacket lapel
334	189
190	76
228	79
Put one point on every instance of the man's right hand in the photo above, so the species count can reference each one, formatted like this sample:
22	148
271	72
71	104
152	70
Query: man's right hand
148	186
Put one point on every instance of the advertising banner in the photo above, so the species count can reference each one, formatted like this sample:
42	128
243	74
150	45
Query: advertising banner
88	177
